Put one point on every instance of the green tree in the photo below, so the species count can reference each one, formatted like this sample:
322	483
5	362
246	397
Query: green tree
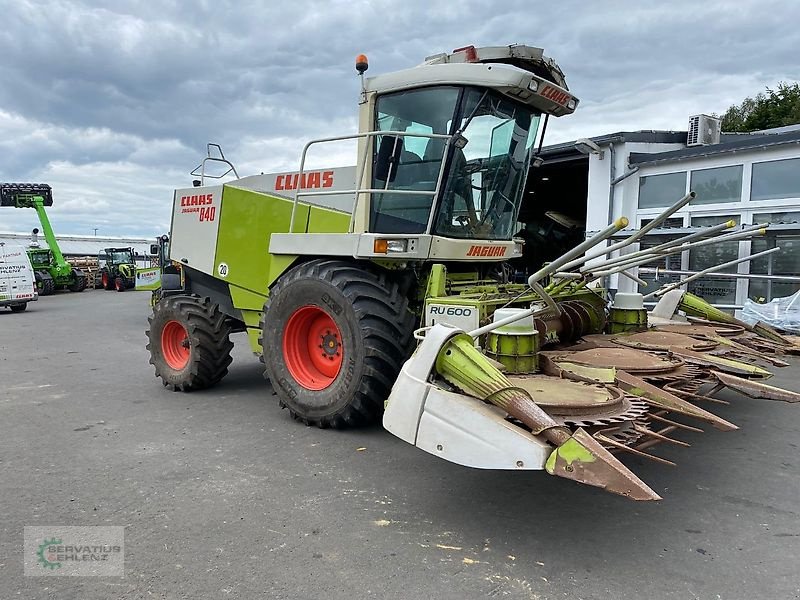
773	108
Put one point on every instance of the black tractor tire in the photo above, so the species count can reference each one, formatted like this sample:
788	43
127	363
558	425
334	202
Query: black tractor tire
375	328
119	284
45	283
106	280
79	281
19	307
206	348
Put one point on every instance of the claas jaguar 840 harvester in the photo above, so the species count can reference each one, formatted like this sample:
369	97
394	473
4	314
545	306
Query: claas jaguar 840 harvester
336	275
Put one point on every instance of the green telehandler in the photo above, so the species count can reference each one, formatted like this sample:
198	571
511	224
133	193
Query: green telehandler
119	272
52	271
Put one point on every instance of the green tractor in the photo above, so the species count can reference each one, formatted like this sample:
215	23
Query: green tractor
52	271
390	282
119	272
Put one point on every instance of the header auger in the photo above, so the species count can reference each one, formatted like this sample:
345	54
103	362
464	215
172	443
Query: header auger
337	276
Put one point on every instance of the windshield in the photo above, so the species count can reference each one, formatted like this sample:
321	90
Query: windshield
486	178
120	257
483	180
414	160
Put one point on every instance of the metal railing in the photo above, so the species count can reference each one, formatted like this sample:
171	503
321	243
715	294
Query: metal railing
221	159
361	168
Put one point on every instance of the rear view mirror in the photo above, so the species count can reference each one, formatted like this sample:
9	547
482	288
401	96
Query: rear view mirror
153	249
388	158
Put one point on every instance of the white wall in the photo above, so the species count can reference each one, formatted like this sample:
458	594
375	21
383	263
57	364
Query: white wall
626	195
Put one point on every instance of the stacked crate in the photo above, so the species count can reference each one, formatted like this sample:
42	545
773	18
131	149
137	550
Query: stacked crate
90	267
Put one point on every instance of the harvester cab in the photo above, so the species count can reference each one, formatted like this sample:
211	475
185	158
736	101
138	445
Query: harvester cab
443	153
336	274
51	269
119	271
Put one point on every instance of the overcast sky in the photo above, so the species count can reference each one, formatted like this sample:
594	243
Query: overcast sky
112	103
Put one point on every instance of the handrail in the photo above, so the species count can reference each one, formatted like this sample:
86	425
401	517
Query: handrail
222	159
358	190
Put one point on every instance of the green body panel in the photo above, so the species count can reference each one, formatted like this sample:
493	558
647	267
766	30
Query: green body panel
570	451
252	269
60	269
621	320
518	353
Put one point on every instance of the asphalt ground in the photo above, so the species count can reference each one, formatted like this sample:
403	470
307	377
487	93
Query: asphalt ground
222	495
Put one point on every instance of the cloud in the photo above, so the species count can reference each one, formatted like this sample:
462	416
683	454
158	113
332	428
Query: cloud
113	104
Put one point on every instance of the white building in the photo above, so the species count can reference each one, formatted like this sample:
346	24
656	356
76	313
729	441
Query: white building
78	245
750	178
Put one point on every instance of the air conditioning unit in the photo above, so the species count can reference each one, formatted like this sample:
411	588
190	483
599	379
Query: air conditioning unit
703	130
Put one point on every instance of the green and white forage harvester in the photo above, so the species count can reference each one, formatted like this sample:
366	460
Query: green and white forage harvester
387	286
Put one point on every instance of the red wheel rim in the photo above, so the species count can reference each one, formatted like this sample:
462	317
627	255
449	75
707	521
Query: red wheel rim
175	345
117	284
105	280
312	348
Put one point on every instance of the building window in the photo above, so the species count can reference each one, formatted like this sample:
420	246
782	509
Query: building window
669	223
776	179
716	290
785	262
670	263
776	217
656	191
714	186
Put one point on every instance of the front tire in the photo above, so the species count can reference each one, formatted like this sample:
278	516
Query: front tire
45	283
335	335
189	342
119	284
19	307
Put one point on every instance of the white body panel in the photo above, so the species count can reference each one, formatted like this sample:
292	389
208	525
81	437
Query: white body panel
195	224
322	180
456	427
420	246
17	282
463	317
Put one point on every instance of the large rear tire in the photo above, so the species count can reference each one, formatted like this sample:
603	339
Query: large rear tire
335	335
189	342
106	281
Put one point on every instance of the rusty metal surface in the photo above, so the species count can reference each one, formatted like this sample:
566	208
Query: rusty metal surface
723	364
628	359
756	389
589	342
580	404
565	396
662	341
583	459
699	327
679	373
726	329
668	401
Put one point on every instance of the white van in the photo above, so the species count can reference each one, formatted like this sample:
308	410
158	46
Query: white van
17	283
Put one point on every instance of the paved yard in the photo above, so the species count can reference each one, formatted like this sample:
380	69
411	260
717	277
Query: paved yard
223	496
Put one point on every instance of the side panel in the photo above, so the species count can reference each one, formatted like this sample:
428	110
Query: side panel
247	221
326	180
16	275
195	223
